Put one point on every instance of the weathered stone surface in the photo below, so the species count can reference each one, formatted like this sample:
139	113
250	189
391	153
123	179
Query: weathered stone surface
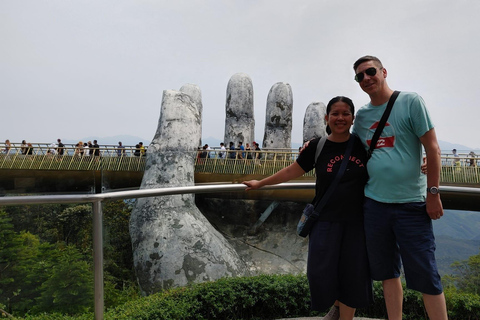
239	119
275	248
173	243
196	94
278	119
314	124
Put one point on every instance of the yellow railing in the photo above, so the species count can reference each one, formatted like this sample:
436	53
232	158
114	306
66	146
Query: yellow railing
41	157
254	162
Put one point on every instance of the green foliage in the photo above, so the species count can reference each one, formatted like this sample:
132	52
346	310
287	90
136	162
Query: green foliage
118	255
467	276
69	287
262	297
462	305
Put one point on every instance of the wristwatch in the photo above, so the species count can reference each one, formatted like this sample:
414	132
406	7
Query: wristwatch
433	190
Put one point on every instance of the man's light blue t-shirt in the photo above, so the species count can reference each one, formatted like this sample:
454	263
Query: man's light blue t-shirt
394	168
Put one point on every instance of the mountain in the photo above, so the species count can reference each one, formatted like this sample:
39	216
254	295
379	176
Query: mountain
457	236
450	250
447	147
127	140
462	225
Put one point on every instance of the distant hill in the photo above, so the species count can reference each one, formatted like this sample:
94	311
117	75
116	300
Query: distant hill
450	250
457	236
462	225
126	140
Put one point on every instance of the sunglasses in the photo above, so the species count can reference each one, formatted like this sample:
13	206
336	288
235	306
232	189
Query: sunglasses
370	71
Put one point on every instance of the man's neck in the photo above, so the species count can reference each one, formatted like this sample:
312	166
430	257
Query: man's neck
381	97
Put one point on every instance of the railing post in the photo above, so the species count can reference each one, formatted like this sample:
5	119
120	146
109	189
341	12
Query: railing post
98	258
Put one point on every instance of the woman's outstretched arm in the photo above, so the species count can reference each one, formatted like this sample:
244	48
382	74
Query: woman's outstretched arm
286	174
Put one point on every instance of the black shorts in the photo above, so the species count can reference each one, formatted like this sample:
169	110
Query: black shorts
337	267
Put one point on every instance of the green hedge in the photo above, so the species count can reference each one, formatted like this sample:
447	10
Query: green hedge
261	297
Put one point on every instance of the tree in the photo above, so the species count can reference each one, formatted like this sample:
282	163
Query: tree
69	287
468	274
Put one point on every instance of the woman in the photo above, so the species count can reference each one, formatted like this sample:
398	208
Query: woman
8	146
337	266
23	147
79	149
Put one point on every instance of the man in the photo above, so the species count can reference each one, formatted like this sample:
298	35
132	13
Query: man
142	149
398	206
96	149
222	152
120	149
60	147
456	158
241	154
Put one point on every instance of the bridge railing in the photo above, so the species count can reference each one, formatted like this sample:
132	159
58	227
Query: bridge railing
44	157
464	169
265	162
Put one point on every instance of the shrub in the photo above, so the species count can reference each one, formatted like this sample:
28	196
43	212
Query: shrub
262	297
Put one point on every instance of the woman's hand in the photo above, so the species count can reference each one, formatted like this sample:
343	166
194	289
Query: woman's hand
424	166
251	184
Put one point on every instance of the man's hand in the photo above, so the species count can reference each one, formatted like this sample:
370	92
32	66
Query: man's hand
305	145
434	206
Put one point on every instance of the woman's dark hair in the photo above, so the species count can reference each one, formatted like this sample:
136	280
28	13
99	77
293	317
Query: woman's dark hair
346	100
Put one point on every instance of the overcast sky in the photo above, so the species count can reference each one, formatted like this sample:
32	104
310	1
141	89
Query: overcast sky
81	68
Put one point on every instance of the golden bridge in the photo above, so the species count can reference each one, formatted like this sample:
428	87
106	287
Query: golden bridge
44	169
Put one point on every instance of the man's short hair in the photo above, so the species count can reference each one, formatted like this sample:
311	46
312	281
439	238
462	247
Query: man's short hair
363	59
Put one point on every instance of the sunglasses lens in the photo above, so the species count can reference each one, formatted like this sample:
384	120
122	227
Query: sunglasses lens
359	77
371	71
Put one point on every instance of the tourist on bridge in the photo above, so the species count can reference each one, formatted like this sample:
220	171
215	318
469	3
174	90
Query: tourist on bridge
90	149
29	149
337	266
222	152
248	151
79	149
136	153
241	148
232	154
120	149
96	149
456	158
142	149
23	147
472	159
8	146
60	147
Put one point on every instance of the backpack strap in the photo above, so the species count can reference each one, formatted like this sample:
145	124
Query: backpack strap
381	124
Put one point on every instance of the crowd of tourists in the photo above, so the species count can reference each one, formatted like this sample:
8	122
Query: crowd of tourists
80	149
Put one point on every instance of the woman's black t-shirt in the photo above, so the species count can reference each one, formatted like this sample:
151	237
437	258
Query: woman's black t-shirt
346	202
